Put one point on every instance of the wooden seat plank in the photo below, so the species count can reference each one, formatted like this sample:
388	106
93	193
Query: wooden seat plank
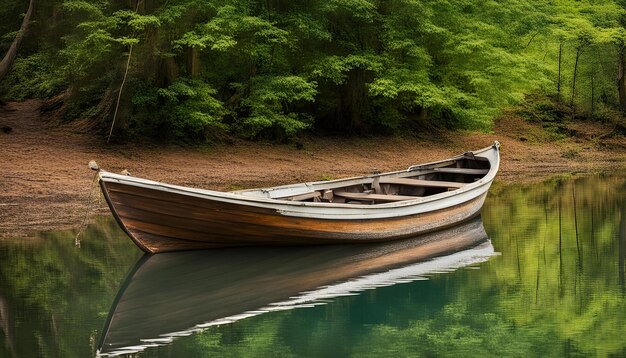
374	197
462	171
305	196
421	182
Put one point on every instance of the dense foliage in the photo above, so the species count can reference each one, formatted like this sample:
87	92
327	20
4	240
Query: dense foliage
273	68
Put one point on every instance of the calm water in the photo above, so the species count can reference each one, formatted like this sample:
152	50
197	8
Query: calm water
557	288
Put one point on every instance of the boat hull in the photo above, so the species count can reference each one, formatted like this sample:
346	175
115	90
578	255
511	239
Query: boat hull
161	217
162	221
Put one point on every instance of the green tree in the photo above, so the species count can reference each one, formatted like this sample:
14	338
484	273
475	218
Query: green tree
274	68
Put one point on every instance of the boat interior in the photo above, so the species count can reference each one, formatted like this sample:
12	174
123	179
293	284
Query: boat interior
417	181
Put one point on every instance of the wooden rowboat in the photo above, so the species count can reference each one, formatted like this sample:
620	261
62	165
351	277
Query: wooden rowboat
161	217
178	294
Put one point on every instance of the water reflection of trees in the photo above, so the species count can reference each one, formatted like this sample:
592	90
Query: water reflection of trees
562	263
556	290
57	295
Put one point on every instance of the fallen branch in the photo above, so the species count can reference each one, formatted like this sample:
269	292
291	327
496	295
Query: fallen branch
119	95
607	134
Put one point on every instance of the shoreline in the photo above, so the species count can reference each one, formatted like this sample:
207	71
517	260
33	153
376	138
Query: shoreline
45	183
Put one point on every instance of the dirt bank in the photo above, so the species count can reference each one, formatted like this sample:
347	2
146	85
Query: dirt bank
45	183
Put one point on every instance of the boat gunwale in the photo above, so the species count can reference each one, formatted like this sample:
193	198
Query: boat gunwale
279	204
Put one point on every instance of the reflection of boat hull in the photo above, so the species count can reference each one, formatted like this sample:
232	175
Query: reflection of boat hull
383	207
178	293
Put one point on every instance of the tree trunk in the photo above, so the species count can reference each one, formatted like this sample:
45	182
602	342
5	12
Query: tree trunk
578	50
138	5
193	62
5	65
169	71
593	89
354	100
558	80
621	77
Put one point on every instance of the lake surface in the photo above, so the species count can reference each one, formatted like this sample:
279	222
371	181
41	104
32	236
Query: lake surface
555	287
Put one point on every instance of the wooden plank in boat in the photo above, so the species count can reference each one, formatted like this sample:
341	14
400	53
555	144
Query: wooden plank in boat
374	197
462	171
306	196
421	182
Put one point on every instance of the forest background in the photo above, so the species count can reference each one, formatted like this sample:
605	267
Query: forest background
193	70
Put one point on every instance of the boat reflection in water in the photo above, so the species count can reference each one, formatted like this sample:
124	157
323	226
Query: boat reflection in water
176	294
